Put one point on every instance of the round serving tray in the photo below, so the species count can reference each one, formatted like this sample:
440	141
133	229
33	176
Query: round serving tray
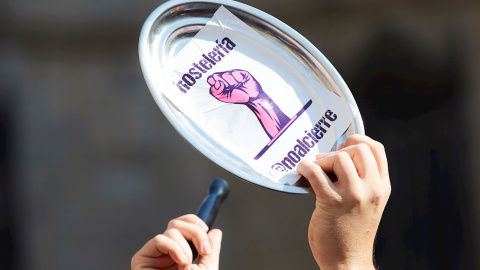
173	24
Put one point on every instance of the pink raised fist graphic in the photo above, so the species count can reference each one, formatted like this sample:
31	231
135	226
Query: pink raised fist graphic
236	86
240	87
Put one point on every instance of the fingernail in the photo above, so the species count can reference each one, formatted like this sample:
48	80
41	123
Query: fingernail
217	85
341	145
206	248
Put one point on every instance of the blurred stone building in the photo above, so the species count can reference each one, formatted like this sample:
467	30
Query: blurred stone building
84	174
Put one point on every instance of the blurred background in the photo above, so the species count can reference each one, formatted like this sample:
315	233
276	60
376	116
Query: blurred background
90	169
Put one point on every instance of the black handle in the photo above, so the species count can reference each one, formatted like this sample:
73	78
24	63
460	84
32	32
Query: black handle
217	193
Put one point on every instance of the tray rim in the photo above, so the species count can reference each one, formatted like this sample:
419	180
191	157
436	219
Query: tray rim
144	54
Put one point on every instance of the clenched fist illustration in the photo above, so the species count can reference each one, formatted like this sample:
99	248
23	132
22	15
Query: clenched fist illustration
240	87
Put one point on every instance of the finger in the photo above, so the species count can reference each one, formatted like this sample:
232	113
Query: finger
162	245
218	78
227	76
194	219
363	160
211	261
217	83
239	75
180	239
144	263
194	233
322	155
342	165
211	80
377	148
320	182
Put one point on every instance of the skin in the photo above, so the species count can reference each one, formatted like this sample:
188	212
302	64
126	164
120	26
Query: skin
342	229
352	187
170	250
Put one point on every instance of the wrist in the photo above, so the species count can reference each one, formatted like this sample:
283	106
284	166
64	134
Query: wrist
262	105
269	114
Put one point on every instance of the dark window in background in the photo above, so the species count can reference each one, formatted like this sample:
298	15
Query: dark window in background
409	99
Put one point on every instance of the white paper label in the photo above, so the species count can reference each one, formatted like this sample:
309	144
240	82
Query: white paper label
249	97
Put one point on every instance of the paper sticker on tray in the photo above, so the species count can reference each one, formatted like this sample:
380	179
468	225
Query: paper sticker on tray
248	96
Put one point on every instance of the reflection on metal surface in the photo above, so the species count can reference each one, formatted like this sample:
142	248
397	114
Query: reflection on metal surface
175	23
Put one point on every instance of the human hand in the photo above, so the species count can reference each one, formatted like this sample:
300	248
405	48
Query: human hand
342	229
171	250
236	86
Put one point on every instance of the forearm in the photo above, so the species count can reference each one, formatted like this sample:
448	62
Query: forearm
269	114
336	247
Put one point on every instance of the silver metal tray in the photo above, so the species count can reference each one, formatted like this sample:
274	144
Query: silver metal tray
173	24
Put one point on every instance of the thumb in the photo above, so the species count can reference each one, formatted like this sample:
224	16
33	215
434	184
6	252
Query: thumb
211	261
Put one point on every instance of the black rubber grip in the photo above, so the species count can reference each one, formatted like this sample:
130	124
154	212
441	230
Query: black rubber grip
217	193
